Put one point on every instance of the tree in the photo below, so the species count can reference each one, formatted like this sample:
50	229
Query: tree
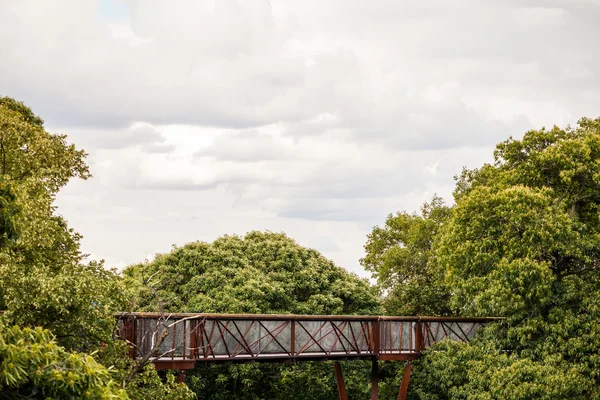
523	242
8	211
43	280
257	273
33	366
399	256
46	283
462	371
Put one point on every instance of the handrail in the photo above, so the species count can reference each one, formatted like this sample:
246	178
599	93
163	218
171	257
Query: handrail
306	317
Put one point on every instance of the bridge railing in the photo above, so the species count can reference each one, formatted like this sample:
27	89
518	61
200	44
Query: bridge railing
179	341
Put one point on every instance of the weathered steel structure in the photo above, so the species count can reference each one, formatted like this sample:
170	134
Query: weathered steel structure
182	341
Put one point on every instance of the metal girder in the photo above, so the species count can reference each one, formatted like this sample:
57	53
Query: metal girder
339	380
405	379
374	380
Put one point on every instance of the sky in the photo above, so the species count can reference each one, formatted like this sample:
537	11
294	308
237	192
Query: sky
313	118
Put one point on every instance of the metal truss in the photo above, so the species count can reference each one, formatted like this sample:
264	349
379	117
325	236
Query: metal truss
180	341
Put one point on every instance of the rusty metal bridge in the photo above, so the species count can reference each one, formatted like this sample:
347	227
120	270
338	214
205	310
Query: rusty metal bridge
182	341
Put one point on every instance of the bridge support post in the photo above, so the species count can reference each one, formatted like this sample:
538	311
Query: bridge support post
419	339
339	379
374	380
129	334
405	379
181	377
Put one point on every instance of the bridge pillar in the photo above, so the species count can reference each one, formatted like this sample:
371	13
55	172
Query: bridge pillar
374	380
419	339
129	334
405	379
339	379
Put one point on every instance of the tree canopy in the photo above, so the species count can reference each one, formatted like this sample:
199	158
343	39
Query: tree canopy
261	272
34	366
57	321
42	278
8	211
258	273
522	241
399	256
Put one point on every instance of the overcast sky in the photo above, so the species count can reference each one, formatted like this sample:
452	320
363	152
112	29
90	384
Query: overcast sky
315	118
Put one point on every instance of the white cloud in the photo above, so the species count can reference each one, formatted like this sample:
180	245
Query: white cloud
210	117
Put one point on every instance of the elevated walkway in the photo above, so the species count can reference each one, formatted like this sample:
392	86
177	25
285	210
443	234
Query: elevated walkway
180	341
227	338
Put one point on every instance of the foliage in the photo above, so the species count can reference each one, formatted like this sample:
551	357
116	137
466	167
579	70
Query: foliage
76	303
8	211
399	256
313	380
456	370
33	366
147	384
258	273
522	241
20	108
44	280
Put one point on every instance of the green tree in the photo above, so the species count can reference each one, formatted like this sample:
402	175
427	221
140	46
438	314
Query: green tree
146	384
523	242
463	371
399	256
258	273
33	366
45	281
8	211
